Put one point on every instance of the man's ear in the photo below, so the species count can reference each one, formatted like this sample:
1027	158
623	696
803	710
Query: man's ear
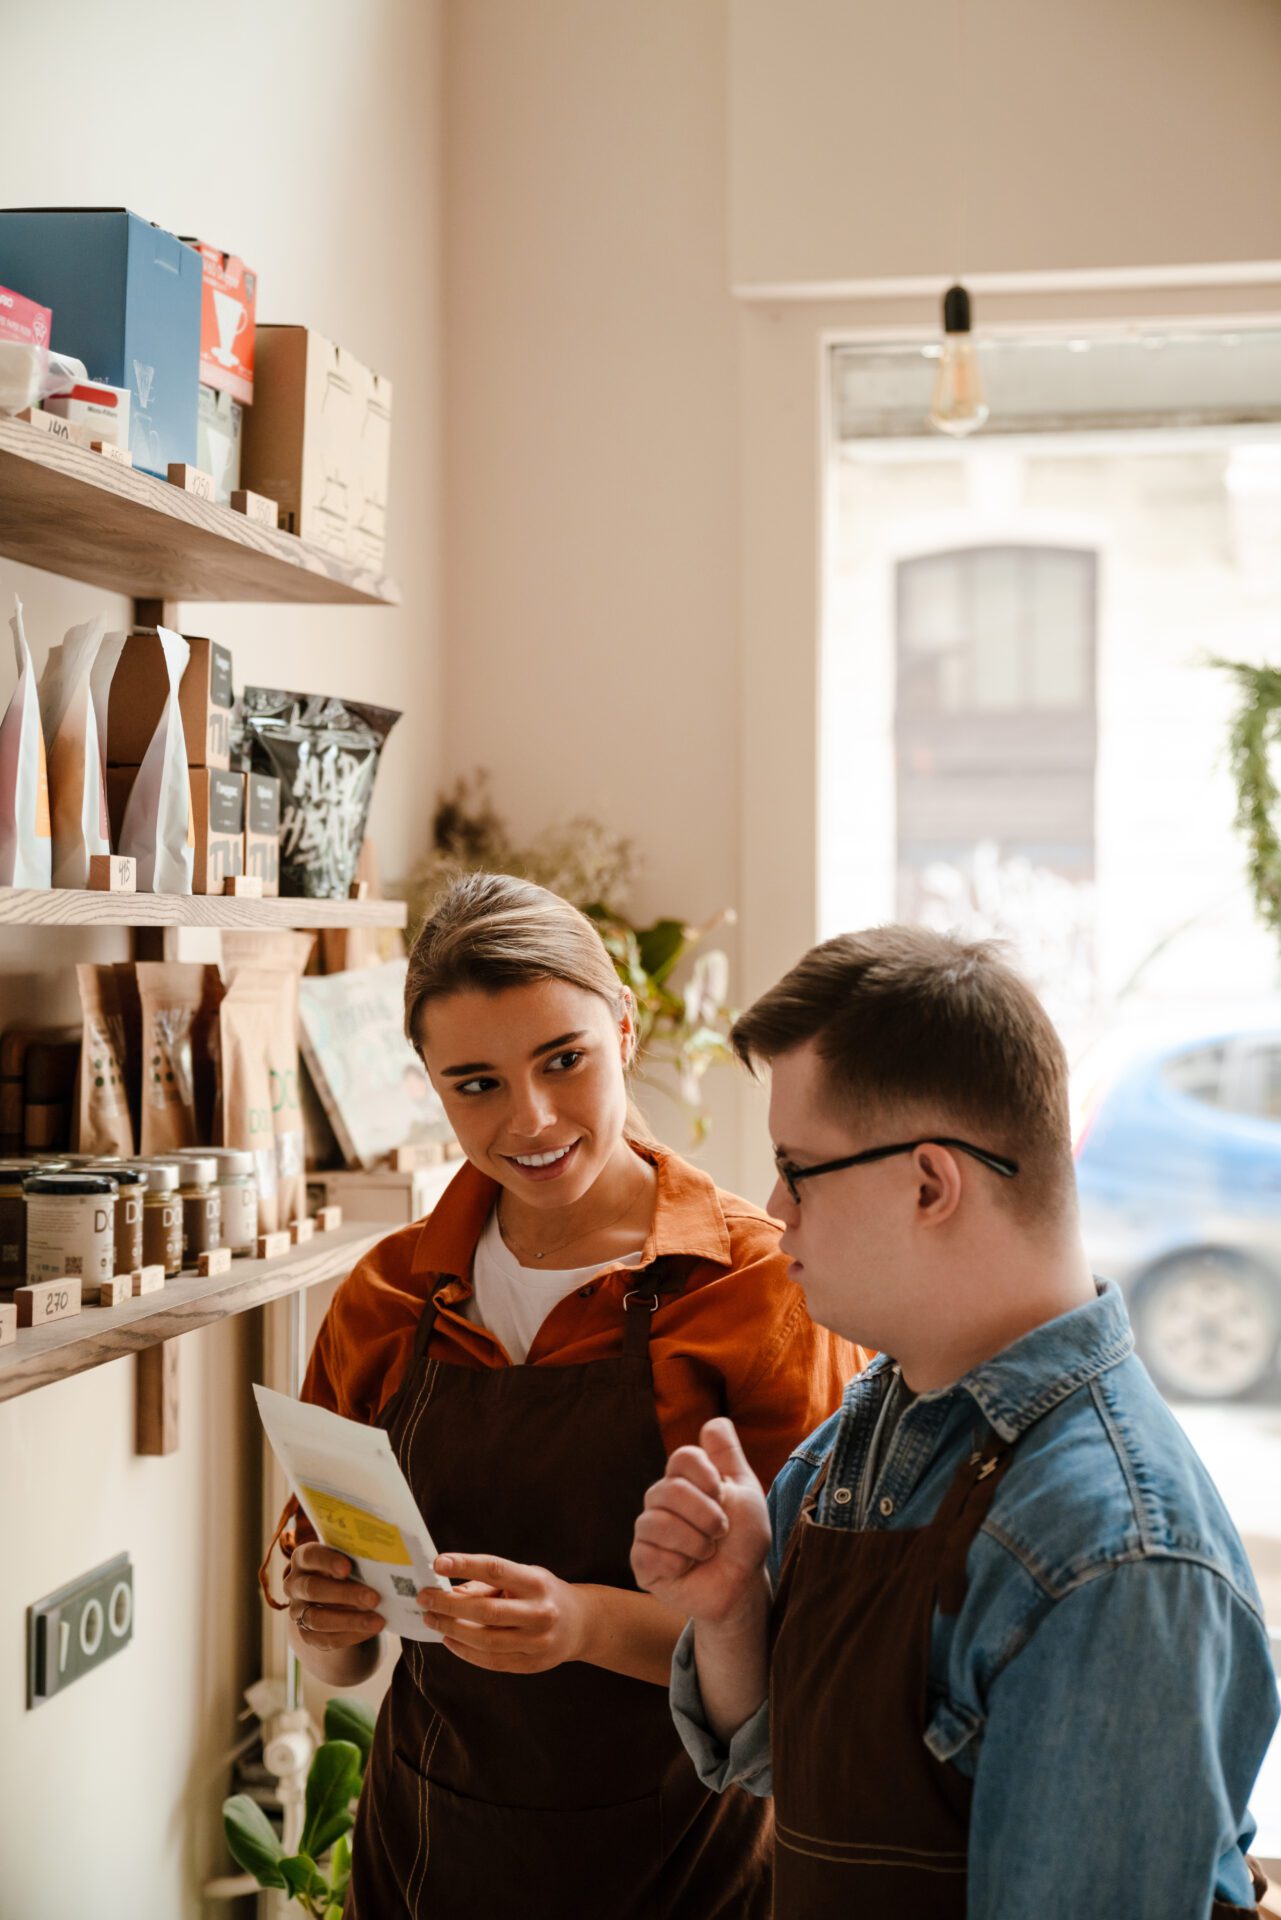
939	1185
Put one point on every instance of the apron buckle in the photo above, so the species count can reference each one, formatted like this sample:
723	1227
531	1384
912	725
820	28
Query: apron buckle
649	1300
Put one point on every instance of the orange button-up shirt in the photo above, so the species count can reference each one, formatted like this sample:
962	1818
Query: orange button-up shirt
735	1340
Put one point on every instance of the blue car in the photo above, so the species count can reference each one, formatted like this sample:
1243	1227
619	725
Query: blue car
1178	1147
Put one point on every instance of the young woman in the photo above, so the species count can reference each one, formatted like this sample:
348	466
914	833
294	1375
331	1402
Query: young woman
578	1303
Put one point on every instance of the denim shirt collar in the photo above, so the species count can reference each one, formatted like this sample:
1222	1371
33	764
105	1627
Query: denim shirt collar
1016	1386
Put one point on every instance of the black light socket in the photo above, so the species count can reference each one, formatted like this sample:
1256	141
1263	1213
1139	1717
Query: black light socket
956	310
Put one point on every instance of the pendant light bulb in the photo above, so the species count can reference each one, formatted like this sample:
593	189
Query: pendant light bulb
960	404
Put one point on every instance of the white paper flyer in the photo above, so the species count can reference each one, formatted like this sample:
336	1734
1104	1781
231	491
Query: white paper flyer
351	1488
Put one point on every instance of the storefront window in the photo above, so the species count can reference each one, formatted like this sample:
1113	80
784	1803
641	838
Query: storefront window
1025	734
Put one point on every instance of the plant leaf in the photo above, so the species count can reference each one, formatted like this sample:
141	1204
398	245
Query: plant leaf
301	1875
661	946
347	1719
332	1784
340	1867
252	1840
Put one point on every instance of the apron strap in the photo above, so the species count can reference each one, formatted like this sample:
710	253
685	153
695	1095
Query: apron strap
641	1302
964	1509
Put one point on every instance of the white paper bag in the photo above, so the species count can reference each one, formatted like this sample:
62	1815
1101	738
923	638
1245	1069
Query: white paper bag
354	1493
26	845
156	828
77	795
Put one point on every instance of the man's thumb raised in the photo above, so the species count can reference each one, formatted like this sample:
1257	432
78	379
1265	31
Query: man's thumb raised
720	1443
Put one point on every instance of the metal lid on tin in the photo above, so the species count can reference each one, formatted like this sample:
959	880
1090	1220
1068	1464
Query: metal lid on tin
232	1161
199	1169
14	1172
121	1172
162	1176
71	1183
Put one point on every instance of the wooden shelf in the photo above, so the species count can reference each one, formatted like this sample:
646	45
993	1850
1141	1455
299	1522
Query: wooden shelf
42	1355
78	907
72	512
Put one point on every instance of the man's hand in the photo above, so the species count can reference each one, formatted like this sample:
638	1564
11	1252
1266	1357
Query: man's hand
702	1541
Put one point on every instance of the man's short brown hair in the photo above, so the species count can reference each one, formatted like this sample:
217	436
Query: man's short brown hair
936	1027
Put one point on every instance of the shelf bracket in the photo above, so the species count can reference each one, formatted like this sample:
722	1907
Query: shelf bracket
156	1399
156	613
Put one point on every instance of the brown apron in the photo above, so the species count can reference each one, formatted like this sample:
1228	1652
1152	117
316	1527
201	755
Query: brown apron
883	1833
547	1794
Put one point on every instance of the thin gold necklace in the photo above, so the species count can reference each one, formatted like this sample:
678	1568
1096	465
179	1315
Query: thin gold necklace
569	1239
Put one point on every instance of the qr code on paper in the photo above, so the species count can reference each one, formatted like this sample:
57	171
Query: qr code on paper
405	1588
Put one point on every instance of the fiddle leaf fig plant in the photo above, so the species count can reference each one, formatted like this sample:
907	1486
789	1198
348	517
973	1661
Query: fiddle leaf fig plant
317	1874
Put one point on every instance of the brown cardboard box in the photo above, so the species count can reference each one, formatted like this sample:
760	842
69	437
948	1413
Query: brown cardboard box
318	440
379	1194
262	830
218	821
138	696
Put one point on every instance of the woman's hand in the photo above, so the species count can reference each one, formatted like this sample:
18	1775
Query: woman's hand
329	1609
703	1539
507	1617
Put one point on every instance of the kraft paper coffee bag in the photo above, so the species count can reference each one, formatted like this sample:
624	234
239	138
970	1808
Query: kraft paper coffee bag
284	955
77	795
103	1124
249	1011
173	995
26	843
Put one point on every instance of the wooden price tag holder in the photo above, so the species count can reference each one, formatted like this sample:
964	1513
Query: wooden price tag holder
111	1293
113	873
192	480
45	1300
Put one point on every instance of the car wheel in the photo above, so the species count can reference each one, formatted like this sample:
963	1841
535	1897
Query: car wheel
1207	1325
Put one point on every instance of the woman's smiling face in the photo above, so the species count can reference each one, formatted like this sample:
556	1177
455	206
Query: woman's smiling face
533	1083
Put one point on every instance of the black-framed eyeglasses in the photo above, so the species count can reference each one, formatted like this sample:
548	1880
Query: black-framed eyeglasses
792	1175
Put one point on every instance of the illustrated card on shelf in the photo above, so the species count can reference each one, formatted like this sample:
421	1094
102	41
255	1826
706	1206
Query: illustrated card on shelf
351	1488
374	1087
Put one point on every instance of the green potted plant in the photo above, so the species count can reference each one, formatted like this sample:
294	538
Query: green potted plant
317	1874
1253	744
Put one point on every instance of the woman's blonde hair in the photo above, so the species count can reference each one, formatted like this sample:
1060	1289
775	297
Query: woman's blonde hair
488	931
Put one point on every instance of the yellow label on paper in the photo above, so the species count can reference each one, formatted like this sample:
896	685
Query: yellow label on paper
355	1530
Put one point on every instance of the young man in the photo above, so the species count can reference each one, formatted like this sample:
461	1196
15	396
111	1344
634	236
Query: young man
993	1643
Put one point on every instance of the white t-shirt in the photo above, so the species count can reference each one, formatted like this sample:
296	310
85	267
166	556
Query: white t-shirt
512	1301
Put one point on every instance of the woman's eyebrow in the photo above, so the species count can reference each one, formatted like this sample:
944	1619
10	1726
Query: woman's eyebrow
470	1067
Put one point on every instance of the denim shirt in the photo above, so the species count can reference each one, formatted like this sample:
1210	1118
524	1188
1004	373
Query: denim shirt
1107	1684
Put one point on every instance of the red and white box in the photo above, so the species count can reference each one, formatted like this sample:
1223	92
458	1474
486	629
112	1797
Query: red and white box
227	323
105	409
23	320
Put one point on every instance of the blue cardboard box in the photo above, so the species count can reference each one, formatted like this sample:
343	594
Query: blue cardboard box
126	300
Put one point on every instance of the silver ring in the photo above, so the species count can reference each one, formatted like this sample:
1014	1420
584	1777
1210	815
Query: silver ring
300	1621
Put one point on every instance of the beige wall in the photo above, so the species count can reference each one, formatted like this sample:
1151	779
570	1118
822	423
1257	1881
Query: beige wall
866	141
591	427
308	139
